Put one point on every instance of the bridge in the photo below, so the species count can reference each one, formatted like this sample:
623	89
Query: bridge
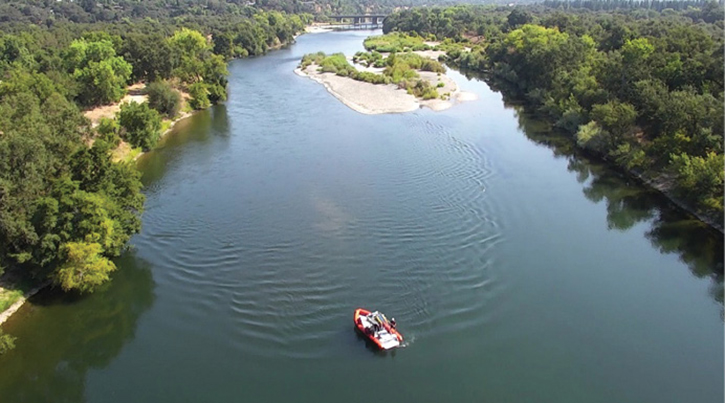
361	21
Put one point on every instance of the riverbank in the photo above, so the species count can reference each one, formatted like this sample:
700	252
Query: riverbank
372	99
136	93
18	299
664	185
14	293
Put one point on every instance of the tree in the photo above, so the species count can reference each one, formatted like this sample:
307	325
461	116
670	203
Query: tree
150	55
614	116
101	74
140	125
192	49
518	17
40	131
84	268
163	98
592	137
701	178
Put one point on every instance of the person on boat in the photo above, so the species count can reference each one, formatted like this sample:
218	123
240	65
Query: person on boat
392	323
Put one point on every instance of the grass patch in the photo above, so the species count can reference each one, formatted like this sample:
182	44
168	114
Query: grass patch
418	62
165	125
124	152
395	42
12	287
9	297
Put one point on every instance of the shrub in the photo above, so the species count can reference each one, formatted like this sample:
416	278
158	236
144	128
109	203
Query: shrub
199	96
368	59
338	64
310	58
163	98
372	78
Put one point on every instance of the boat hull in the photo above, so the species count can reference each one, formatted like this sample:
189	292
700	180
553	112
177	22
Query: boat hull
379	342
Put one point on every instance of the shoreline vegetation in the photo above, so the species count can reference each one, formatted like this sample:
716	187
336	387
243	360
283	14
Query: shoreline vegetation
397	79
72	126
138	93
640	87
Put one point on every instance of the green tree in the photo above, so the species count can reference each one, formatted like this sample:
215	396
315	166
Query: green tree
38	137
84	268
592	137
518	17
151	56
701	178
199	96
616	118
139	124
192	49
164	98
101	73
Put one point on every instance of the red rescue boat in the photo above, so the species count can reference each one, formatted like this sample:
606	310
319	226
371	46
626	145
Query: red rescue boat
376	327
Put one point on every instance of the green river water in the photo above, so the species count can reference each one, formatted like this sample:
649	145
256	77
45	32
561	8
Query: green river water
516	270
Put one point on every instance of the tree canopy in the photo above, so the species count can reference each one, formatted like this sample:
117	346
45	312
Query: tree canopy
66	208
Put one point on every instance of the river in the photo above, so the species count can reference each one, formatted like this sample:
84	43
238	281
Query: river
517	270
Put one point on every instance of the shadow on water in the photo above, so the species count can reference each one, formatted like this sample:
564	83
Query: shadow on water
200	127
60	337
629	203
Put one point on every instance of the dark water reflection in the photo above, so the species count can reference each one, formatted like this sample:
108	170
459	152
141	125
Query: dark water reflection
70	334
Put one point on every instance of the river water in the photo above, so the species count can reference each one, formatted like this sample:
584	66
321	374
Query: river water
516	270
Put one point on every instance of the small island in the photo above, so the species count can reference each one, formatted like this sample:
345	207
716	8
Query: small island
398	74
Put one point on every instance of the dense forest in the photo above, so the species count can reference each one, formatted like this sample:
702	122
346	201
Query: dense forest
66	206
640	88
48	12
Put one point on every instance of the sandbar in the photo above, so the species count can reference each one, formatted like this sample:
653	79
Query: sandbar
372	99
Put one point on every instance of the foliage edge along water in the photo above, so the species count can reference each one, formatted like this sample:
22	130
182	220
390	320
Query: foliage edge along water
638	87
